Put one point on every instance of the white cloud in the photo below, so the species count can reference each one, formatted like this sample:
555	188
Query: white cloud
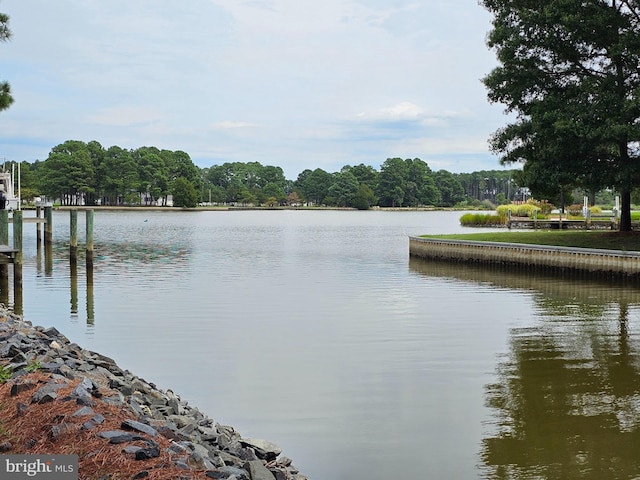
125	116
400	111
228	124
276	81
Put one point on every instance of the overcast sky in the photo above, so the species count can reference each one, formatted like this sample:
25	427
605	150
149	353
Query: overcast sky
293	83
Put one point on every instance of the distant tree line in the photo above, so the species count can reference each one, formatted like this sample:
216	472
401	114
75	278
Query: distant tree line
78	173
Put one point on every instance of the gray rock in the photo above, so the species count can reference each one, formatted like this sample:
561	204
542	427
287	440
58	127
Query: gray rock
44	394
147	453
279	474
21	408
66	371
93	422
9	350
61	429
52	332
208	433
263	448
140	427
20	387
227	472
118	436
83	412
257	471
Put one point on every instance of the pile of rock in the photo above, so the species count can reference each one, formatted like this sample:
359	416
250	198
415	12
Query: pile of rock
197	442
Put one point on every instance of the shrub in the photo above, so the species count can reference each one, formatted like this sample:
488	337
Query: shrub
575	210
595	209
521	210
543	206
481	219
526	209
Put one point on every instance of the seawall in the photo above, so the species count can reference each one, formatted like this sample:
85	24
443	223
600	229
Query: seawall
584	260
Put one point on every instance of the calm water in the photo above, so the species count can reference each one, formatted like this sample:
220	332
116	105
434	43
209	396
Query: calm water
316	331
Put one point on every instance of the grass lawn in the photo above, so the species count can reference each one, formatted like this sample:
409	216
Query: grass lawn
565	238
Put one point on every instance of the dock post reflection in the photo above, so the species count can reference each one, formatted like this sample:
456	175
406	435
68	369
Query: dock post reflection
90	308
73	278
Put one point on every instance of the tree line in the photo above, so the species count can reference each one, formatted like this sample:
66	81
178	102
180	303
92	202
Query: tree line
79	173
568	71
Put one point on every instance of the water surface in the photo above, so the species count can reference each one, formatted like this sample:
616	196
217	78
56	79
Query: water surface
316	331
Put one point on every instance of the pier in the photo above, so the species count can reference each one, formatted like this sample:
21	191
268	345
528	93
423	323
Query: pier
12	254
592	223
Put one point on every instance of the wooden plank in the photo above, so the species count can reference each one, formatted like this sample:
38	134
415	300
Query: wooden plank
7	254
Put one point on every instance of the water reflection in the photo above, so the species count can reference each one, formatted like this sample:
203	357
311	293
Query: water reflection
566	400
90	302
553	289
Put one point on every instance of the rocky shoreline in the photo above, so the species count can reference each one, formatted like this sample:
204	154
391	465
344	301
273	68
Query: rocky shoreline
156	424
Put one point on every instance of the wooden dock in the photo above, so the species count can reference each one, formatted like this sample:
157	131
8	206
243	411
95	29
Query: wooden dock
602	223
7	254
12	254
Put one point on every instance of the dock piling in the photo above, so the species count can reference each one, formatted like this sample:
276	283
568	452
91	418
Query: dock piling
38	226
89	228
48	226
17	262
73	241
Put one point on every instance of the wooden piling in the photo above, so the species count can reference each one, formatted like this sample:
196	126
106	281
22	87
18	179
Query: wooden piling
17	262
4	267
48	226
4	240
73	241
89	228
38	226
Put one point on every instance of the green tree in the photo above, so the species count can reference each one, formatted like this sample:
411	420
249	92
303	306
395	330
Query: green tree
392	182
344	189
364	198
365	174
153	174
68	173
28	182
5	89
273	190
315	185
569	71
451	191
420	186
119	176
184	193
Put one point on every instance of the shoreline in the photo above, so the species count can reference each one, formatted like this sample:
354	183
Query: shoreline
230	208
590	261
83	403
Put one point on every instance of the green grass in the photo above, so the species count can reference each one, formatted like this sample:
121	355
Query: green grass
572	238
5	373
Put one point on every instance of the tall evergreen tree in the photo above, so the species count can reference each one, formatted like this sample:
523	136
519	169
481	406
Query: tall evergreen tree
570	71
5	89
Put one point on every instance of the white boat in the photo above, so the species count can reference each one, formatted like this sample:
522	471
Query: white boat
7	187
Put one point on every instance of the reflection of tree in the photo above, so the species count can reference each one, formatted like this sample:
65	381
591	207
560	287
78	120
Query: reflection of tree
567	404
